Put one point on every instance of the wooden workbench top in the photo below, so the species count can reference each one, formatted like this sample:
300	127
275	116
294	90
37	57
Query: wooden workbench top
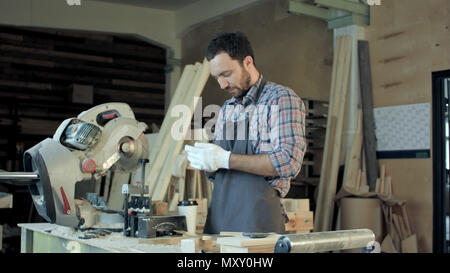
115	242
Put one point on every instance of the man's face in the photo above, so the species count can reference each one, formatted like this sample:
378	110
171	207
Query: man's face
231	75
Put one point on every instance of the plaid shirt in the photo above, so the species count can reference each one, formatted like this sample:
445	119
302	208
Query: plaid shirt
277	127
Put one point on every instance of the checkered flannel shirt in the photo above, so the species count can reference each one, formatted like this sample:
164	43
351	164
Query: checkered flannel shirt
278	130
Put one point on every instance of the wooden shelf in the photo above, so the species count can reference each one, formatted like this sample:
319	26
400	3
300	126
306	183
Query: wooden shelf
40	67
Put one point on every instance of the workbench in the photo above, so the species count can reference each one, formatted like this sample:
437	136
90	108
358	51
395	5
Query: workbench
51	238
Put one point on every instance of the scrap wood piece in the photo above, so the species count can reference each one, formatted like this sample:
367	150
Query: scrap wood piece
399	227
174	202
330	166
388	186
300	220
370	142
405	217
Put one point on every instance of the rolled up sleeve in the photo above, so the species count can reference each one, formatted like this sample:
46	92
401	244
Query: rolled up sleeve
287	135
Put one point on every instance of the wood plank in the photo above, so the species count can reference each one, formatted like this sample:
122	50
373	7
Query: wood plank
383	172
330	166
56	53
388	186
81	69
176	146
174	202
353	159
36	85
162	141
242	241
406	219
370	143
398	227
377	185
121	64
403	226
302	220
338	51
72	47
252	249
96	42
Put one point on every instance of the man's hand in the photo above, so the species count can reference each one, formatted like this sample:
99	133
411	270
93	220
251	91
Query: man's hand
207	156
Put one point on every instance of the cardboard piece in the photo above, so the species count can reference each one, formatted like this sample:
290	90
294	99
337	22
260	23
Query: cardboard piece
387	246
409	245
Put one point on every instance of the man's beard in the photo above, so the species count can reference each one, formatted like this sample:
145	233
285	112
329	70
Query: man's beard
245	83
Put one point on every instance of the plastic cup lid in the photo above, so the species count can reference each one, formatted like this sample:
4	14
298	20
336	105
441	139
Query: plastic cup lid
188	203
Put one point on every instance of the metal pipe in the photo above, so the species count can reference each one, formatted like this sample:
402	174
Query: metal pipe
324	241
19	177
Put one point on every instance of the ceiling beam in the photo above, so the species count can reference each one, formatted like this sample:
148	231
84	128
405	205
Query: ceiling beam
338	13
351	19
310	10
346	5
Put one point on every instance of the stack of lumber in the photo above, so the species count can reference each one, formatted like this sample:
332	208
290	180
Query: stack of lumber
301	219
167	147
333	137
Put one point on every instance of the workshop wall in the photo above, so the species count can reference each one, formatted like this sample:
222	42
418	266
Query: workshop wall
409	39
292	50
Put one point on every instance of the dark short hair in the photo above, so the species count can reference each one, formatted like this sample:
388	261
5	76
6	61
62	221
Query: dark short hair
235	44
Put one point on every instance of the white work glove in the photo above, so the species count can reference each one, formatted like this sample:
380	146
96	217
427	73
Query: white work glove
207	156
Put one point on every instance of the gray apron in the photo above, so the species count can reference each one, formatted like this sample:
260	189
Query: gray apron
243	202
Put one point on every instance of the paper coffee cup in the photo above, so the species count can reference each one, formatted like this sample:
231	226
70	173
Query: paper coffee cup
188	208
